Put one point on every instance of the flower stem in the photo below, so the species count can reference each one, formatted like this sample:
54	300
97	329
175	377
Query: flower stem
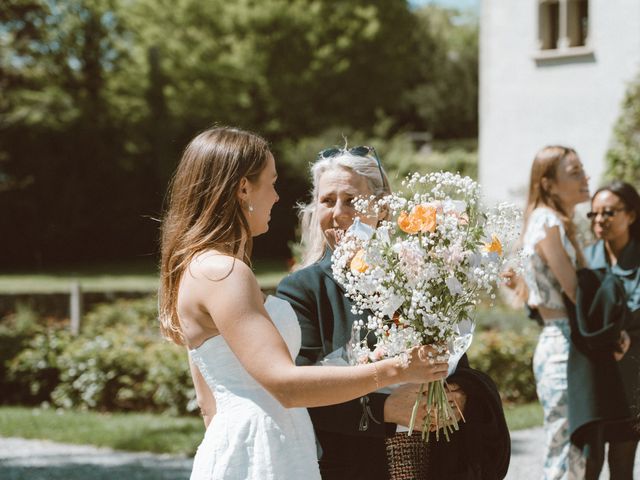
414	412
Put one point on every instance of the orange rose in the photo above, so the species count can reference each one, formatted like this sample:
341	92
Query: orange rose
407	223
493	246
426	215
358	265
421	219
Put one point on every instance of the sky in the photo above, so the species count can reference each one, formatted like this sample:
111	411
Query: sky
461	4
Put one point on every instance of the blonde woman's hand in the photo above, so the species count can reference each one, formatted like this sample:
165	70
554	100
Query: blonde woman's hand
457	401
457	398
399	405
425	365
623	346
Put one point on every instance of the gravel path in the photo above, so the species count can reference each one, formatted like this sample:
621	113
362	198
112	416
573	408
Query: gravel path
527	450
22	459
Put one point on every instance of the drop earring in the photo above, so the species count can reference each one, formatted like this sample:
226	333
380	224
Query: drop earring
247	205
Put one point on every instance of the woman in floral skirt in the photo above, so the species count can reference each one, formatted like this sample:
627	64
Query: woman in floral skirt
558	183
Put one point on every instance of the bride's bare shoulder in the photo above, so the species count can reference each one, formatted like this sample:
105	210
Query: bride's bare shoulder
217	267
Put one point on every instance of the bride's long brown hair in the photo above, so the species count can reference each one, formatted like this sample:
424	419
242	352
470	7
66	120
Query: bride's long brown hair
203	209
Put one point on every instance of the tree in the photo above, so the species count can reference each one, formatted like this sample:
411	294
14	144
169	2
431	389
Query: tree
623	158
443	96
99	97
286	68
60	127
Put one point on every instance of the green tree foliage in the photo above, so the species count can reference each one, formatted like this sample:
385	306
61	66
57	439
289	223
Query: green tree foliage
623	158
282	67
100	96
61	129
443	97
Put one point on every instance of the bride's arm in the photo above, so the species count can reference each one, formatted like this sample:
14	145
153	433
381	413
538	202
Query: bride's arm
235	304
204	396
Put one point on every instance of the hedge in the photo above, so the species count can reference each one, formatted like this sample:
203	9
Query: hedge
120	363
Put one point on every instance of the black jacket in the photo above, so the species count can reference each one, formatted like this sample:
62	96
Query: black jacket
481	449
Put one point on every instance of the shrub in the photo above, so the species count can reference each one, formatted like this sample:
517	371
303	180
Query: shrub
507	357
35	371
623	158
119	362
400	161
501	315
398	153
123	370
140	315
15	332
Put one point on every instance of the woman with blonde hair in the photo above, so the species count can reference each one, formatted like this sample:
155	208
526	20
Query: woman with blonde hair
358	438
558	183
241	347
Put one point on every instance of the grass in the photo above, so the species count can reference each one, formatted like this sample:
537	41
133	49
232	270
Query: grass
140	276
524	416
121	431
149	432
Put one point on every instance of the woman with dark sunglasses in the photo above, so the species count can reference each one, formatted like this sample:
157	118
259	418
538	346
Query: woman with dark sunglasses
358	439
602	415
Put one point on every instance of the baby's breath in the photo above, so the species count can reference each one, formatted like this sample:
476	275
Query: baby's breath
420	285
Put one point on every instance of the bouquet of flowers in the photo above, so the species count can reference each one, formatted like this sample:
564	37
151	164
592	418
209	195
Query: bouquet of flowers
422	272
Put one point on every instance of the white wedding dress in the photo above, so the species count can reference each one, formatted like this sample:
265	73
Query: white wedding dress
252	436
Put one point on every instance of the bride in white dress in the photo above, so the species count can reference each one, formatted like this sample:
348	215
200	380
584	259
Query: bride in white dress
241	348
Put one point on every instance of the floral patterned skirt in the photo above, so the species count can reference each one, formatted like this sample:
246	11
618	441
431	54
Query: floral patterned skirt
563	461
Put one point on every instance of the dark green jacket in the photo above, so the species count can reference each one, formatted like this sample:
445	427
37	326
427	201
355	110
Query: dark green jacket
352	434
627	269
603	393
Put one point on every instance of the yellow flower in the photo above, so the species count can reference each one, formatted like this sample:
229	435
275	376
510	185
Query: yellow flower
358	265
493	246
421	219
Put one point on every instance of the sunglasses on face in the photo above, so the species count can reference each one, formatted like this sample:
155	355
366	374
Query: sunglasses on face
359	151
606	214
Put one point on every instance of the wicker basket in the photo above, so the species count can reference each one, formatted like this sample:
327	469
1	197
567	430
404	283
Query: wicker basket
407	456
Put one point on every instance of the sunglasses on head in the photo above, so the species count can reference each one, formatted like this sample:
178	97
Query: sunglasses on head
606	213
359	151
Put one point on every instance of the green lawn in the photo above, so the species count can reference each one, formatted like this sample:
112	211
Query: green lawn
148	432
122	431
138	276
524	416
